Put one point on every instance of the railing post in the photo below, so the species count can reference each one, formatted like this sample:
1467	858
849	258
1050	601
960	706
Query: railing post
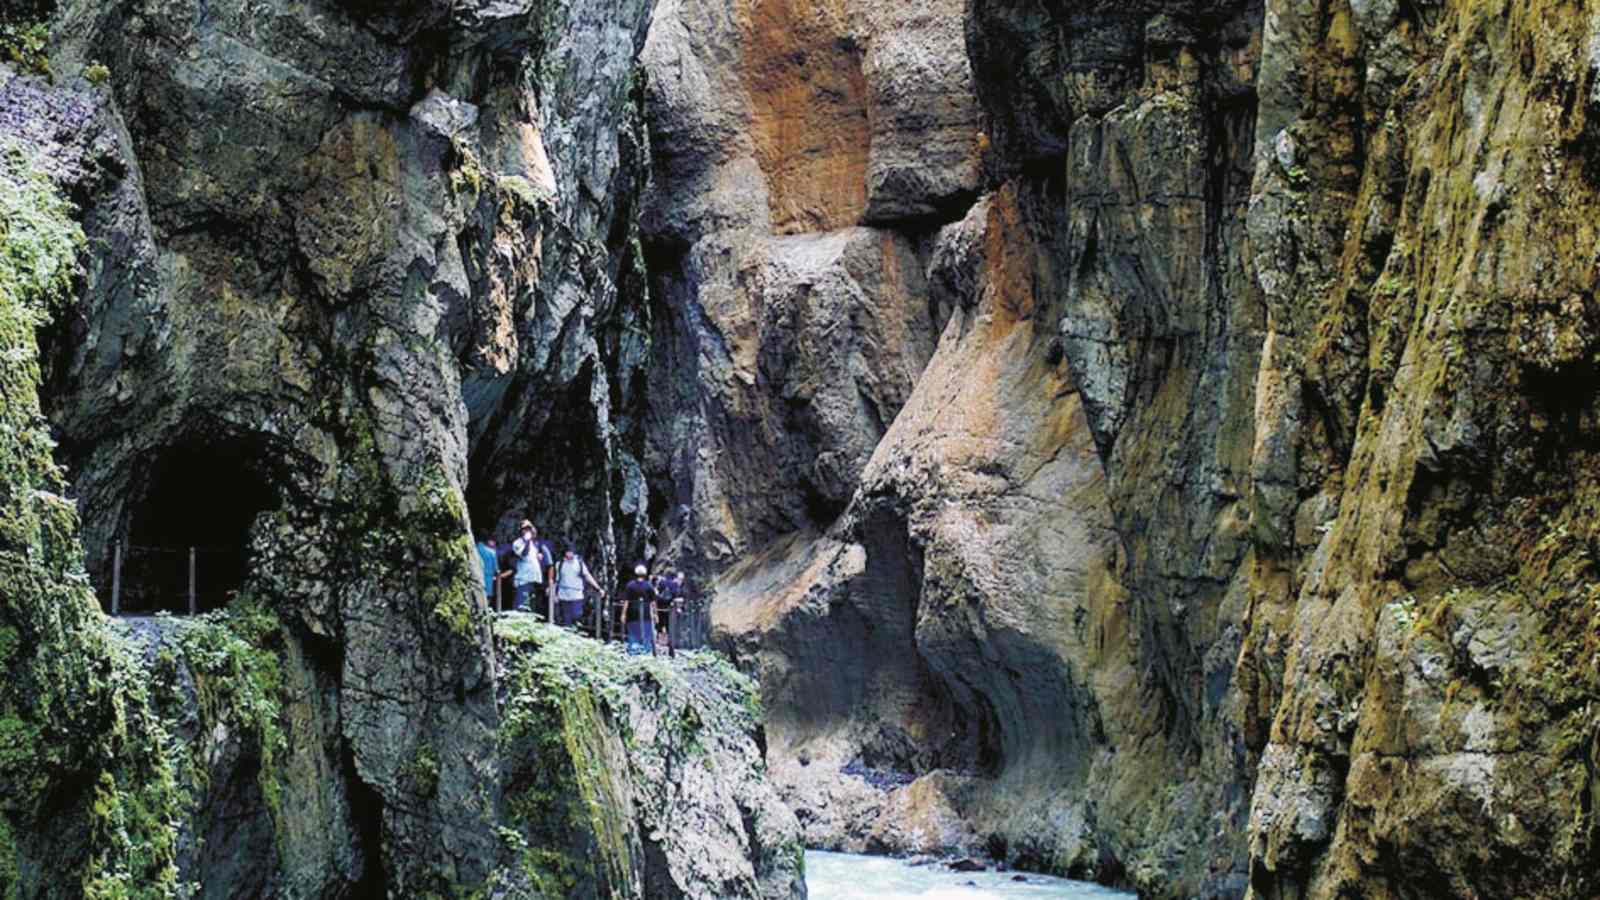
499	583
116	578
598	618
550	602
672	629
191	582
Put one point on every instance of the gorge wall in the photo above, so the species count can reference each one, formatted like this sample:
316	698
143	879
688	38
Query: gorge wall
1148	441
1144	440
334	283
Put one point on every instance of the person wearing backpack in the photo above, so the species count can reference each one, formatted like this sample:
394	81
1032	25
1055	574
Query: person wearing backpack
639	614
665	595
531	564
571	575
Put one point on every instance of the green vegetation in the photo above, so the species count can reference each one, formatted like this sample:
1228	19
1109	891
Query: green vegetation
24	31
571	753
412	538
94	785
423	770
232	656
565	800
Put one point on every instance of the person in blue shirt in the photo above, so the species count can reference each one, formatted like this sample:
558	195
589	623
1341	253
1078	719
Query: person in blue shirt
491	565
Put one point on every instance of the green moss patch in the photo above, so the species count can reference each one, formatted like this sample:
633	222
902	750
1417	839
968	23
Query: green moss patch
87	791
572	756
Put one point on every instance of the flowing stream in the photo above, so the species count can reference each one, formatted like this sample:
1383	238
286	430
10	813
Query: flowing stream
846	876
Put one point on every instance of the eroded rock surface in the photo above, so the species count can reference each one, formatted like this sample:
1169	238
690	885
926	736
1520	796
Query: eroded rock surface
1209	550
637	776
317	253
1146	441
802	154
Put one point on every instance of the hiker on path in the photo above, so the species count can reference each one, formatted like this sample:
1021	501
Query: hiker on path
531	564
666	594
571	574
639	615
491	565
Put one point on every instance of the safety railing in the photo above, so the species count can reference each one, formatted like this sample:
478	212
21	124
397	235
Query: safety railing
690	624
148	579
684	625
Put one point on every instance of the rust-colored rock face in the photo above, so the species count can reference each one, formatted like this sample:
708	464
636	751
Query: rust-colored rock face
1150	440
808	111
1219	544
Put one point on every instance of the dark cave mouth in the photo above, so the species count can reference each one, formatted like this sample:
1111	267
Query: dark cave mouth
197	502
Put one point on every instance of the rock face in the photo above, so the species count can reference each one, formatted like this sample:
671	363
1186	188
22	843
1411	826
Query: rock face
802	153
1227	540
636	777
353	280
1148	441
1037	563
1422	681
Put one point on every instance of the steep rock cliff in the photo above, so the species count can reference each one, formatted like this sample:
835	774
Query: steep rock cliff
1142	440
318	257
352	279
1421	667
802	155
1036	569
1229	539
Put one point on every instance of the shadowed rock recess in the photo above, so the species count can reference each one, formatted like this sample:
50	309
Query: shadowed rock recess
1150	441
1189	489
331	283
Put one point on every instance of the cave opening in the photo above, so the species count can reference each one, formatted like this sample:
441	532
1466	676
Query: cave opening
188	530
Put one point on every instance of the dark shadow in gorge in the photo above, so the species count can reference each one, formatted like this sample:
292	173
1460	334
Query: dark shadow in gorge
203	490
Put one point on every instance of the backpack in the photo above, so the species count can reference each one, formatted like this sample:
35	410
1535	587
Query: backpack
577	566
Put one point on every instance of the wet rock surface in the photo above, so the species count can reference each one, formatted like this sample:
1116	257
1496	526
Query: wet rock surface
316	249
637	776
1144	441
1231	436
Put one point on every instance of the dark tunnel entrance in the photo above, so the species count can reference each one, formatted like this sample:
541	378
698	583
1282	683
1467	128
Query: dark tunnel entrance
190	529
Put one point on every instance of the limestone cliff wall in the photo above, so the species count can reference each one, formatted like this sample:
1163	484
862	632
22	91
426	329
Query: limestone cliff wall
1224	535
1146	440
1420	670
378	262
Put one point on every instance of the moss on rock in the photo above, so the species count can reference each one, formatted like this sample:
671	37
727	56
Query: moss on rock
632	776
87	786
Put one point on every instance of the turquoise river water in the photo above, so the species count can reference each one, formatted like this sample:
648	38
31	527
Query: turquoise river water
846	876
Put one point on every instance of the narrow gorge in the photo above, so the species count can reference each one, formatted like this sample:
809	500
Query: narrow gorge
1147	442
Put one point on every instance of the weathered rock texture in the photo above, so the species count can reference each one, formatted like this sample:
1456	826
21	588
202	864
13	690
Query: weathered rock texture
636	776
353	278
330	266
802	154
1232	535
1007	592
1144	440
1421	666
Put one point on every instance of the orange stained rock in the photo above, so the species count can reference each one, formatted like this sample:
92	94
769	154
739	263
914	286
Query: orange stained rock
808	99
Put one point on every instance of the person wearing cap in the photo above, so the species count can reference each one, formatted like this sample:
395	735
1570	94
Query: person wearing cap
640	613
531	563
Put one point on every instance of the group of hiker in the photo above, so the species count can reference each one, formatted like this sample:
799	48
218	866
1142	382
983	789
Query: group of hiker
537	575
